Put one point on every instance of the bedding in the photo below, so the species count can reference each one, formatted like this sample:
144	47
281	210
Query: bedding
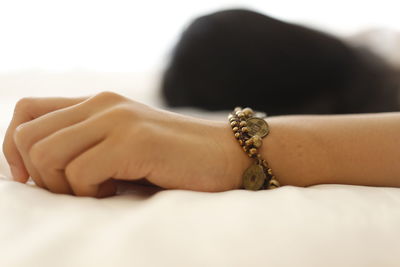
324	225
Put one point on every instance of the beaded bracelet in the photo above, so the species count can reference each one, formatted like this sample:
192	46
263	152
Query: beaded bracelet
249	130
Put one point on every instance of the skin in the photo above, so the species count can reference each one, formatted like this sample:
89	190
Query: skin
84	146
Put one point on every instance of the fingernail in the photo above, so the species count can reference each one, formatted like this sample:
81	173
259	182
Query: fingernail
17	174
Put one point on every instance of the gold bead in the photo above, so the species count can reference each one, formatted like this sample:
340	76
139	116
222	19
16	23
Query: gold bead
269	171
244	148
273	183
237	109
237	135
247	112
257	141
249	142
245	129
241	142
265	164
253	151
235	129
240	114
234	123
243	123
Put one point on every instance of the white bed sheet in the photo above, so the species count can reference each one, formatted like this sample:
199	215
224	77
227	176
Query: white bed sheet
325	225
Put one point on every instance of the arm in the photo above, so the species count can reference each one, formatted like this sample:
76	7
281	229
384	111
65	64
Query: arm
359	149
82	146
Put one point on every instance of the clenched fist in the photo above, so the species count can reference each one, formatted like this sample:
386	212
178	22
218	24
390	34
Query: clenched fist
82	146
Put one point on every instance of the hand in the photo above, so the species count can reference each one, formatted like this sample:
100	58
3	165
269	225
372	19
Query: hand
82	146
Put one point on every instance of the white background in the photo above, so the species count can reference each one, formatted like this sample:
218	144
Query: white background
137	35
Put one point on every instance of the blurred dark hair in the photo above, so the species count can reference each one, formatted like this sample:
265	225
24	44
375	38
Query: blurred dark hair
243	58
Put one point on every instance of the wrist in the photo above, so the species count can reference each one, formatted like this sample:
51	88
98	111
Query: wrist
249	128
235	161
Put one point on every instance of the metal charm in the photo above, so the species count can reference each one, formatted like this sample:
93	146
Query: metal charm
257	126
254	177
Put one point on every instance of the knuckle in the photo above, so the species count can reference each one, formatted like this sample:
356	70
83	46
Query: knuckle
39	156
120	112
21	135
109	96
73	172
23	104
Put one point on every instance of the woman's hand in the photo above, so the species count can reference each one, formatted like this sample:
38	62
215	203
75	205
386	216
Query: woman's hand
82	145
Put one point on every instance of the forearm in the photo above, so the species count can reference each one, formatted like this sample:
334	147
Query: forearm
360	149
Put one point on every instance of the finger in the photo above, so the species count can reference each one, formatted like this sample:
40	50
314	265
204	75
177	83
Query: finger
51	154
48	123
26	134
92	168
55	181
26	110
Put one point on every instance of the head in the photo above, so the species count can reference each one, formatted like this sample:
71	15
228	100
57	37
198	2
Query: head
243	58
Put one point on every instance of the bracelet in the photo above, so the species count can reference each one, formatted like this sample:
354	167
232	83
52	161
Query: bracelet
249	130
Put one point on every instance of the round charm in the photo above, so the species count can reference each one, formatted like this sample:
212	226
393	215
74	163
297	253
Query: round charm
254	177
257	126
